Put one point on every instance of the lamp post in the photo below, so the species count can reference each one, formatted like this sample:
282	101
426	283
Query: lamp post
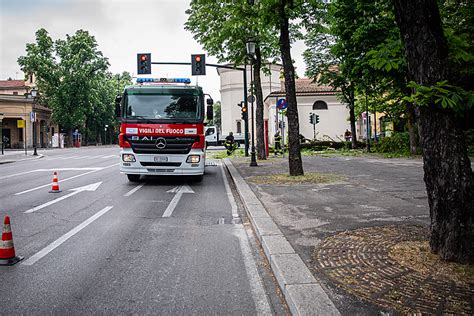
251	52
34	93
1	131
105	134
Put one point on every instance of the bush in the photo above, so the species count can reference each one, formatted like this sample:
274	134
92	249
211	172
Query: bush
398	143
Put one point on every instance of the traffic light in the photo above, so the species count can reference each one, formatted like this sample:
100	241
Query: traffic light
144	64
198	65
245	113
316	119
311	118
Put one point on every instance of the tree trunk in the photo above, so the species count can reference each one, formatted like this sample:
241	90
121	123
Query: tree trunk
294	154
448	175
352	119
353	126
260	133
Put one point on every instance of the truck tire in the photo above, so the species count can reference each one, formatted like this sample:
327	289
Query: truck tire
133	177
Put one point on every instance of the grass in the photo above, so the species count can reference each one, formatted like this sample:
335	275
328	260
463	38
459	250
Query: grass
223	154
286	179
334	152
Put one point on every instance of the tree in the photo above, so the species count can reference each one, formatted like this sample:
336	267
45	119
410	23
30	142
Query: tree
279	13
448	174
357	50
70	75
223	28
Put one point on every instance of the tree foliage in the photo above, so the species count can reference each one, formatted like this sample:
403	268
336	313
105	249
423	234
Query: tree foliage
73	80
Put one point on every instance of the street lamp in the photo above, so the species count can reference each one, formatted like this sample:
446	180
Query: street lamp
1	130
251	52
105	134
34	94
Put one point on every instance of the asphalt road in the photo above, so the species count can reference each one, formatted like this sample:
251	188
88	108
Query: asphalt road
106	246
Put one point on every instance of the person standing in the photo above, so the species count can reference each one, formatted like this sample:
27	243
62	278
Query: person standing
229	143
278	149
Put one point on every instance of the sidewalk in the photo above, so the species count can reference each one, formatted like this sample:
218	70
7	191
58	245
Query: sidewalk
343	247
17	155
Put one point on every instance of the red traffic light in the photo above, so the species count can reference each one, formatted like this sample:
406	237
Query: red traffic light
143	57
197	58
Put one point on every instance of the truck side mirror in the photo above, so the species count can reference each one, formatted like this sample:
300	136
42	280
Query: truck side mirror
118	99
210	112
210	102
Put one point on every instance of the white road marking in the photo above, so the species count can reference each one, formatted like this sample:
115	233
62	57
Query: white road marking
90	187
94	157
135	189
256	285
67	179
109	156
17	174
179	190
65	237
233	205
50	170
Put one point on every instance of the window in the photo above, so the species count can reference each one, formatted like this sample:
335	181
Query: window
239	127
15	92
320	105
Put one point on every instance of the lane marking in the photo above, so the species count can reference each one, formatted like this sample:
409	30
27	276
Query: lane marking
179	190
135	189
255	281
51	170
67	179
43	252
109	156
230	196
90	187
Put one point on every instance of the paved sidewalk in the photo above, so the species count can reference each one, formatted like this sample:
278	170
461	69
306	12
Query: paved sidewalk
329	244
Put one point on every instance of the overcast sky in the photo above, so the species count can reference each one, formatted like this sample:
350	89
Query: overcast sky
122	29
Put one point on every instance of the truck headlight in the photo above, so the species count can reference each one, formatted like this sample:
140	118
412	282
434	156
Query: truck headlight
193	159
128	158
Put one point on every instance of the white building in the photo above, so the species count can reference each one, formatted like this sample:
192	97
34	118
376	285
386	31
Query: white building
311	98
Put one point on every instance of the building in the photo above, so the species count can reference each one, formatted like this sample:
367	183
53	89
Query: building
311	98
16	108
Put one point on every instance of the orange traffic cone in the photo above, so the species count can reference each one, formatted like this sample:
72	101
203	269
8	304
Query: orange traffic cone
7	250
55	186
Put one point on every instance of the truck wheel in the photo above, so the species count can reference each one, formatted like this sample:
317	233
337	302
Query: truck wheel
133	177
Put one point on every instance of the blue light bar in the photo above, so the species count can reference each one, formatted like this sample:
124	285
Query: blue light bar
164	80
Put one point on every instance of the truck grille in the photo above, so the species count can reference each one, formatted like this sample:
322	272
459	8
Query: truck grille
161	164
174	145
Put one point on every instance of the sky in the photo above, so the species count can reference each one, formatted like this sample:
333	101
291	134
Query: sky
122	29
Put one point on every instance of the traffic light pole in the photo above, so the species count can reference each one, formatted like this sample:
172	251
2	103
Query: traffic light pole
244	70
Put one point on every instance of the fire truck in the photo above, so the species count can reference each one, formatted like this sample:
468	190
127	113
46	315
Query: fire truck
162	128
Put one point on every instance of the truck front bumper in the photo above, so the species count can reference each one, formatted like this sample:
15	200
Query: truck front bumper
152	164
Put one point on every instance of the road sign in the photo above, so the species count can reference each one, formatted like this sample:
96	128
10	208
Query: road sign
32	116
20	124
281	104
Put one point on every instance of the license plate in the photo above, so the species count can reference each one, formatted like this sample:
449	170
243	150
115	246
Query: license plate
161	159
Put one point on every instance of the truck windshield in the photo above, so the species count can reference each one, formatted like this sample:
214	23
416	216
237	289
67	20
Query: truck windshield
175	107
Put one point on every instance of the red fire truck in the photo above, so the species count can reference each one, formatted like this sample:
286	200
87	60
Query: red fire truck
162	128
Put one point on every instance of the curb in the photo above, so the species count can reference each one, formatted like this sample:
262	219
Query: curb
302	291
